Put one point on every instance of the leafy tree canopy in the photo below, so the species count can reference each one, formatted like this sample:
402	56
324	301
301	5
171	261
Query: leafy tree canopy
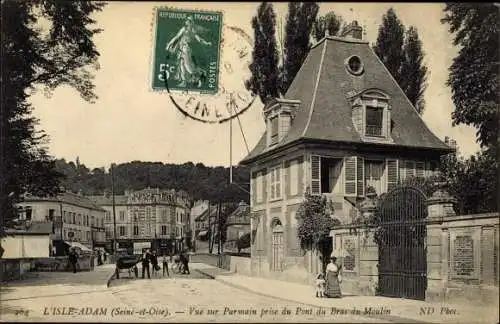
315	219
299	23
413	70
389	44
44	43
474	72
200	181
264	66
400	50
330	22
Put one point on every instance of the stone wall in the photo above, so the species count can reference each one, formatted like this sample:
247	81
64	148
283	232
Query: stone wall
462	255
462	258
14	269
237	264
357	253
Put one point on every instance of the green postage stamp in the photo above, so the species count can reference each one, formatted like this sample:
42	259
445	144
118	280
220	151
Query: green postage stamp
187	47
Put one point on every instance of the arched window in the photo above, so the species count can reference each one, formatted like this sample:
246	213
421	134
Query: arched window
277	246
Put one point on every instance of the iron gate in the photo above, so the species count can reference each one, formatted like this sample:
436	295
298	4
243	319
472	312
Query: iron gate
401	239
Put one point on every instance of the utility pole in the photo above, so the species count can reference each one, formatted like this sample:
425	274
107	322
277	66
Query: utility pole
209	228
114	210
219	231
62	224
231	142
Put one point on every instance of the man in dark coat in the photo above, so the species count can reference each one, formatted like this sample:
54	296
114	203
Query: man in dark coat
185	262
73	259
146	257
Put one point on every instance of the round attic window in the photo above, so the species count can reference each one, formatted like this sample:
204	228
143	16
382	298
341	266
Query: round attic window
354	65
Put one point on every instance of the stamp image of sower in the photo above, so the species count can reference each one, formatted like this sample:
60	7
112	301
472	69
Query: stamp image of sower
202	64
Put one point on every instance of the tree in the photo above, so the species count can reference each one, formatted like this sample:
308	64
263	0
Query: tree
315	223
413	70
470	181
474	72
299	23
264	66
329	22
402	54
33	56
389	44
243	242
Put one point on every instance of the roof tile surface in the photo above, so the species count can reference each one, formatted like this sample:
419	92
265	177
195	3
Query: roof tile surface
322	85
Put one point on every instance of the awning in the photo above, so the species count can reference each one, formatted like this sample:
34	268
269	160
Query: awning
202	233
78	245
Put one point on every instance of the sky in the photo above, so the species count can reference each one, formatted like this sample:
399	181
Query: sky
131	122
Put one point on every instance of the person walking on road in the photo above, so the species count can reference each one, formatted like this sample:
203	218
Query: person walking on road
184	258
154	263
146	257
99	258
73	259
164	262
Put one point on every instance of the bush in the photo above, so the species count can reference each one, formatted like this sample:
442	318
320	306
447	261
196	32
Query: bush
243	242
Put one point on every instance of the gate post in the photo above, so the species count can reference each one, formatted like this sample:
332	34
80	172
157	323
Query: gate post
368	249
439	206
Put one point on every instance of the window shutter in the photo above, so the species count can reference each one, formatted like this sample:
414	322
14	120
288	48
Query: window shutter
419	169
434	167
315	174
350	176
392	174
402	173
360	176
254	188
277	182
410	169
263	184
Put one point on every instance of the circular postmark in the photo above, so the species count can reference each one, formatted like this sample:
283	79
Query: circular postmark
205	66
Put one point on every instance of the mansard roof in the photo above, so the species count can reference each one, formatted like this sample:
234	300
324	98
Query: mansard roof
322	86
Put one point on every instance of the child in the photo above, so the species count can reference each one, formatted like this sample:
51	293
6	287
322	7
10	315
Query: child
320	285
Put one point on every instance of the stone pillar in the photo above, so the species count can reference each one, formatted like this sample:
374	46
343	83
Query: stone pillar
369	205
439	206
368	249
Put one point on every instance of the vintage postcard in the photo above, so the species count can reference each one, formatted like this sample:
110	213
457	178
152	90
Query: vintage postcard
249	162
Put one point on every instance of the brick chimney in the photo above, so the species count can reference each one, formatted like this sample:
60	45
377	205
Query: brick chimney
353	30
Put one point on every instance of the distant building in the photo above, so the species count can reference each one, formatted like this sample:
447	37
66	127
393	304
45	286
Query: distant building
238	224
148	218
75	219
204	221
199	207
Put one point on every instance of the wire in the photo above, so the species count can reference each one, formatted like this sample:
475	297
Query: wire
243	189
241	128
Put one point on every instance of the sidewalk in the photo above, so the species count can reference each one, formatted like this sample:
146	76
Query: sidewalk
388	309
49	284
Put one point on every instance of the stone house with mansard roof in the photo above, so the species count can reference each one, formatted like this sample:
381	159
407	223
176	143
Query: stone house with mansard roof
343	126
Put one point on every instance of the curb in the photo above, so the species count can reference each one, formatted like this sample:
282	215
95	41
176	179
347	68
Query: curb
396	319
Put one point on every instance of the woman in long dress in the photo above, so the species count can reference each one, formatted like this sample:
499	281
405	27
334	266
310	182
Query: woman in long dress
188	70
332	279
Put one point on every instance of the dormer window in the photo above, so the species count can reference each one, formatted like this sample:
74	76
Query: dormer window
371	115
279	114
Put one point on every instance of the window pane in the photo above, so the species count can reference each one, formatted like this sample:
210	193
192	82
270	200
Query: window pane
374	117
